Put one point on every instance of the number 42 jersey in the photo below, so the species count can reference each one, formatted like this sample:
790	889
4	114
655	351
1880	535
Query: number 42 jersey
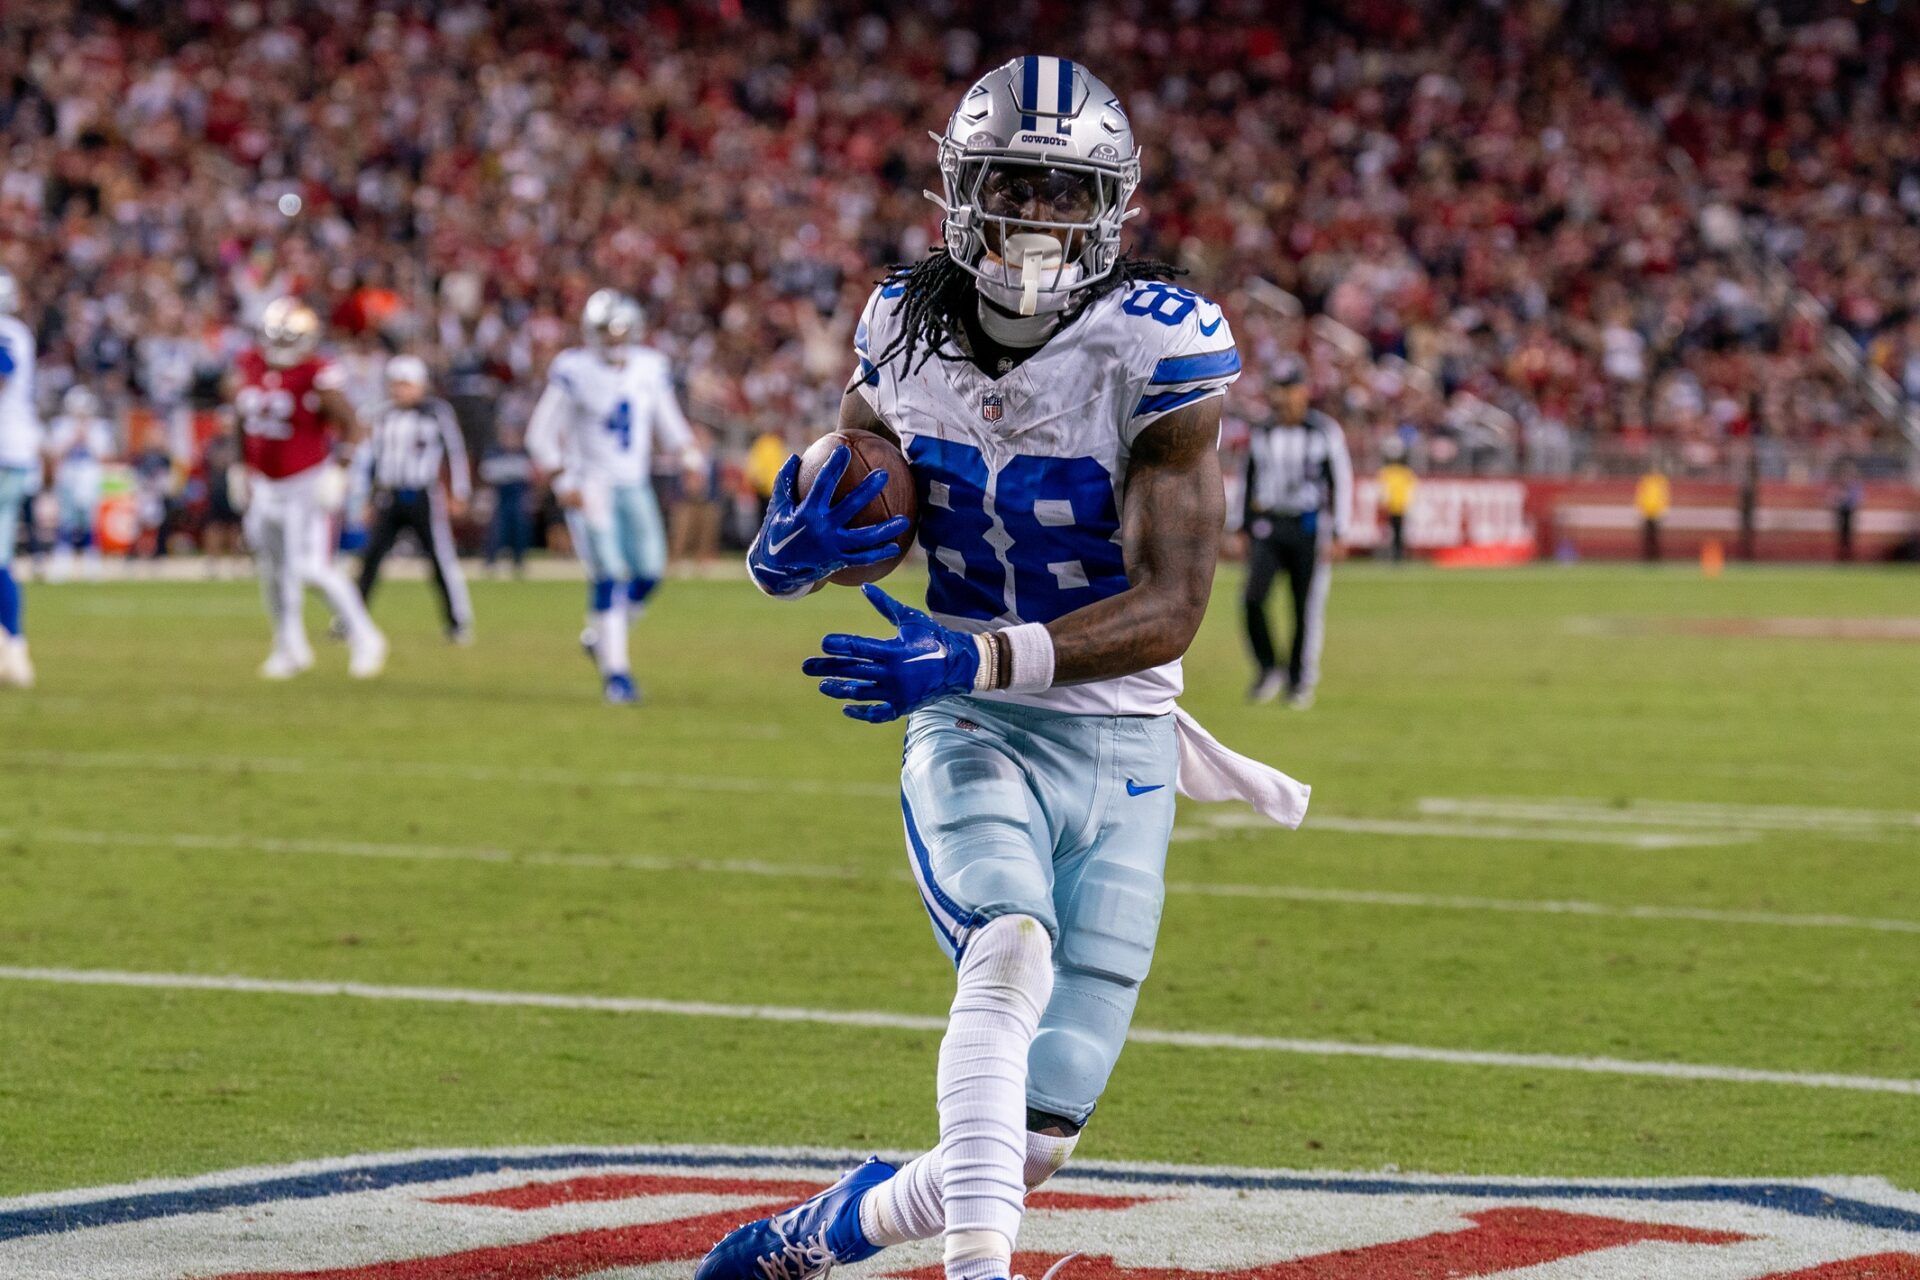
1022	478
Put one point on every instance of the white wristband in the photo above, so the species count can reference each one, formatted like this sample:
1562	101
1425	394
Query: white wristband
1032	648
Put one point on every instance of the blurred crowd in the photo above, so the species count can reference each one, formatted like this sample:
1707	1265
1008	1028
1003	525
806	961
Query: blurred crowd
1529	235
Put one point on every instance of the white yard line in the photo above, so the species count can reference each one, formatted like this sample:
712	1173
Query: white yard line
924	1023
228	842
1547	907
1212	825
1668	813
526	775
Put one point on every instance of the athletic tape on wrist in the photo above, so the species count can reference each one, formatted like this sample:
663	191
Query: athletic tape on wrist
1031	645
983	674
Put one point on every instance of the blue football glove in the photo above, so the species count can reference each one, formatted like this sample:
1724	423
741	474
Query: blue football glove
888	678
805	539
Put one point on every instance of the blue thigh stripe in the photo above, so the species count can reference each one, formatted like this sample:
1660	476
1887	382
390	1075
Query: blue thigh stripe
952	920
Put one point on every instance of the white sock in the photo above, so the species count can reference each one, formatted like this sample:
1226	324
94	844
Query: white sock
345	602
907	1206
1005	981
610	638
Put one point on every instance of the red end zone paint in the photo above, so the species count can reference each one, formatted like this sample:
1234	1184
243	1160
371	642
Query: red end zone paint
1881	1266
1071	1200
1499	1240
468	1215
627	1186
554	1258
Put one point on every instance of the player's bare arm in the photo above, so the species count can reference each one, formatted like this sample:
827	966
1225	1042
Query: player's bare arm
857	415
337	409
1170	533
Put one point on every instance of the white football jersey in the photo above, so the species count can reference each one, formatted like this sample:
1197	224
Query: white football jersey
79	442
19	420
1021	478
597	421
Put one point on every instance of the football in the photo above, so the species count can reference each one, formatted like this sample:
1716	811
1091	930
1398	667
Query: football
870	453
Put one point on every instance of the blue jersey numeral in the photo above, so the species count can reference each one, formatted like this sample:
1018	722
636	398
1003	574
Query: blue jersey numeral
620	422
951	483
1061	515
1058	518
1167	303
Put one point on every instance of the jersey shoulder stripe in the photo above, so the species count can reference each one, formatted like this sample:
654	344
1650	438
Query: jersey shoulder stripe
1154	405
875	330
1199	366
1188	351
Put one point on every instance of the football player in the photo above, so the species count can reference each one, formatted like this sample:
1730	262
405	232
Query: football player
1059	403
293	415
79	444
19	473
592	435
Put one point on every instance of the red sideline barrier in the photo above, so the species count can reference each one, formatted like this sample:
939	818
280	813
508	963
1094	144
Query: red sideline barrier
1495	556
1468	521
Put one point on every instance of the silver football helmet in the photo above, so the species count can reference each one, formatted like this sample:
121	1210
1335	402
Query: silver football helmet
1038	162
610	318
289	332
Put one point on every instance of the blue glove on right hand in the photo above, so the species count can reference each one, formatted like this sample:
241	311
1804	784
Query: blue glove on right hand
805	539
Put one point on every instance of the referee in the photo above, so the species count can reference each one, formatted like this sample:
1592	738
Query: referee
414	436
1299	490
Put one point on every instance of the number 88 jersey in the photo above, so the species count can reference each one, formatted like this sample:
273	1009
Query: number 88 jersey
1022	478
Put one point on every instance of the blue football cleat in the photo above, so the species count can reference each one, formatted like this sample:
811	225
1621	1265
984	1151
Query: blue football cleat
806	1241
619	690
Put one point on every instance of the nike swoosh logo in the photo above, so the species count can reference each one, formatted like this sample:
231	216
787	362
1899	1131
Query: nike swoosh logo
1208	330
1135	789
775	548
941	652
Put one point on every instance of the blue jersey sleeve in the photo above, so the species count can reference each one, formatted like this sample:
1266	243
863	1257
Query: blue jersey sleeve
1187	356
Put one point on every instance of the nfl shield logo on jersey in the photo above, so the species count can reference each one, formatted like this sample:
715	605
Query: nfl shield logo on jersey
990	406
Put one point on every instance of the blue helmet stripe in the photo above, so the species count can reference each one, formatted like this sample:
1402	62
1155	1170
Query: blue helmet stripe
1029	92
1066	95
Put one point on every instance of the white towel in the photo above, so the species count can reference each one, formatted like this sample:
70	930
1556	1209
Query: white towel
1208	771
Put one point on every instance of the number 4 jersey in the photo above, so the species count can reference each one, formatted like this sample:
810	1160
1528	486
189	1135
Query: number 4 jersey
1021	478
597	420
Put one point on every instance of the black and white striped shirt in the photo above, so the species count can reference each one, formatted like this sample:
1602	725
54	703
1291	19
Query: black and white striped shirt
1294	469
407	446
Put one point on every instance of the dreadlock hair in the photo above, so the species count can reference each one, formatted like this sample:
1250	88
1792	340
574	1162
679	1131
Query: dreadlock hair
935	292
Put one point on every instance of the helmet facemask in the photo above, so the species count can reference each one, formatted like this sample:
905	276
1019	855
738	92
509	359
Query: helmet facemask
1034	228
611	319
289	332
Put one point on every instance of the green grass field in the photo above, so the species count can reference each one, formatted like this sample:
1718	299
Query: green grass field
476	819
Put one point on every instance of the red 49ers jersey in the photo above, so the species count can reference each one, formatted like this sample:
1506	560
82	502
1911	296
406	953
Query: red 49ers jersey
280	414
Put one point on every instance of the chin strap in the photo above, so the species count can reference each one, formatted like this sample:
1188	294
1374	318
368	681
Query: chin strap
1031	267
1010	330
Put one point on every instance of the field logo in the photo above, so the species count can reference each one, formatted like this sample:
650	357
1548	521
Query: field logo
535	1214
